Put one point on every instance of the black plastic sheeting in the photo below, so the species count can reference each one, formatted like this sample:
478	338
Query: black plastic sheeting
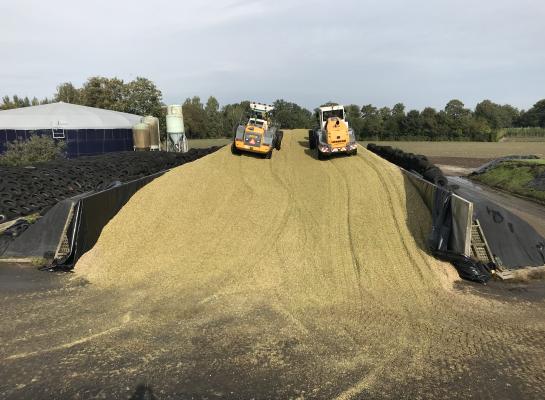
494	163
439	239
442	218
411	162
29	190
13	232
92	213
42	238
515	242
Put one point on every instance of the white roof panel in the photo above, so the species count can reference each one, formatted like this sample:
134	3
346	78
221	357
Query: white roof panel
67	116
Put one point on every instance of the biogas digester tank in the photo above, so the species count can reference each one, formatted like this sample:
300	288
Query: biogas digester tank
155	138
141	137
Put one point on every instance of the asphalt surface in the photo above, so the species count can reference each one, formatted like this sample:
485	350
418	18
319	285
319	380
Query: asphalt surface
282	278
532	213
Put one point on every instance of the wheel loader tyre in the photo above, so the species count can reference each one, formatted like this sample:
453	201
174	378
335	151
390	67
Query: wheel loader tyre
268	155
278	144
320	155
234	150
311	140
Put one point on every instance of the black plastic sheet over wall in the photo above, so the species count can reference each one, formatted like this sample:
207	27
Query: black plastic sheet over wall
439	240
28	190
92	213
439	199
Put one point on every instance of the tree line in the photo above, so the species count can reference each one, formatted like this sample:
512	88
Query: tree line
210	120
454	122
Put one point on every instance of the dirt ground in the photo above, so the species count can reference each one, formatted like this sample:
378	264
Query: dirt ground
458	166
282	278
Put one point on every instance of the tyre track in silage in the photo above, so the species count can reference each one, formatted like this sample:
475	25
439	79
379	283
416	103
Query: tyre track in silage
391	194
355	261
399	344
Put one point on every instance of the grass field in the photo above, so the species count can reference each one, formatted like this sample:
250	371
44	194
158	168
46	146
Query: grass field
518	177
468	149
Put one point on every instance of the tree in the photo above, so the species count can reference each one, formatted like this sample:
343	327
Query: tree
6	103
429	125
353	115
392	120
479	129
457	118
535	116
104	93
194	117
140	97
213	122
15	102
36	149
232	115
395	124
398	111
67	93
412	123
372	121
291	115
496	116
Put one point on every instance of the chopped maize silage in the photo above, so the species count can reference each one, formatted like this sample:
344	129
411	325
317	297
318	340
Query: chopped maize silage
304	274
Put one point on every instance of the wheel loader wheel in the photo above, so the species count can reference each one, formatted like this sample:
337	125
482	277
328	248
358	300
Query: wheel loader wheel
234	150
268	155
321	156
311	140
279	136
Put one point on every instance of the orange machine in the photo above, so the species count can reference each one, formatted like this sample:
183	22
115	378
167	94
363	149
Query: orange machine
258	135
333	135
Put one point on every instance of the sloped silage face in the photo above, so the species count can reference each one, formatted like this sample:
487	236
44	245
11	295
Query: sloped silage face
294	277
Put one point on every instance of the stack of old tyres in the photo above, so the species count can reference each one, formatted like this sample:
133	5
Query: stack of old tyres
411	162
35	189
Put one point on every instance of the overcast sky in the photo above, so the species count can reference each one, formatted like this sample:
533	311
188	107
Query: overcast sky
351	51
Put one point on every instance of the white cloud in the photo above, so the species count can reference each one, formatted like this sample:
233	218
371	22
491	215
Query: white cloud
419	52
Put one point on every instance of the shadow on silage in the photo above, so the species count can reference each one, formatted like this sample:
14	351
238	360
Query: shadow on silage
419	232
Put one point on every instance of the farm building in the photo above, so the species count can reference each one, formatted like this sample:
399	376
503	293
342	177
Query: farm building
86	130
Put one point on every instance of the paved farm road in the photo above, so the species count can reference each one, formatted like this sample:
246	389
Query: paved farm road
238	277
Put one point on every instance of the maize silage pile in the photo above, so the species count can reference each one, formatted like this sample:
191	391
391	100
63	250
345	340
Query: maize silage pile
289	277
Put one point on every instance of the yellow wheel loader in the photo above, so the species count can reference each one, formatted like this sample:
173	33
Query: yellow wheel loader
333	135
259	135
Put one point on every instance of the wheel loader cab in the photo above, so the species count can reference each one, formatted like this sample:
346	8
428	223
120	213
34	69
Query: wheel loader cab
332	113
257	126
